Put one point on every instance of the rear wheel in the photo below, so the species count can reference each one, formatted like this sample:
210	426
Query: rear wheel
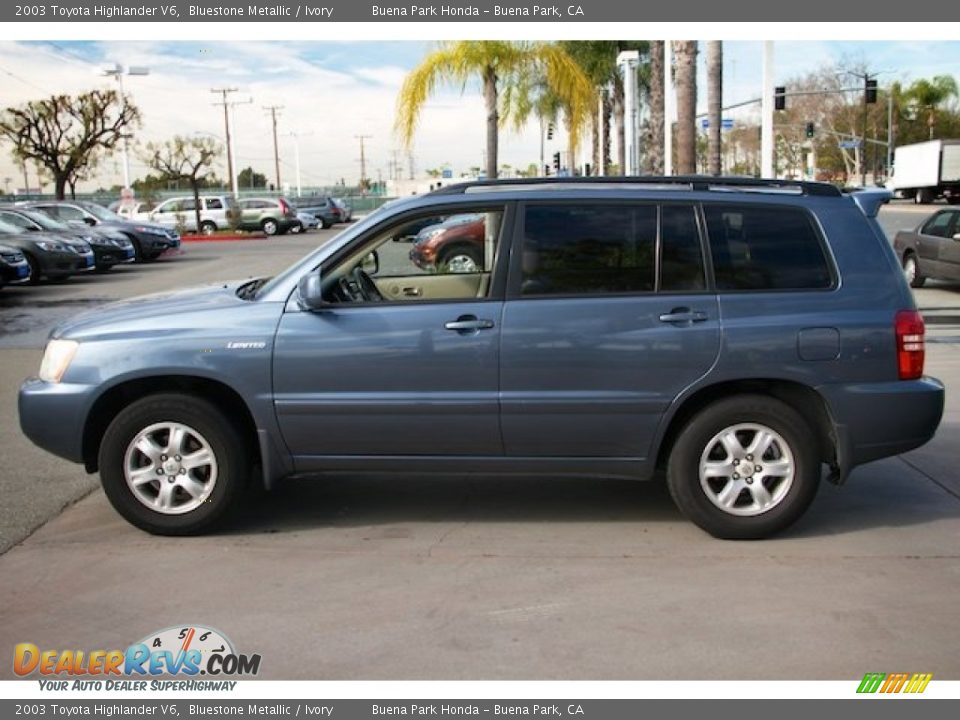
270	226
911	270
744	468
296	228
924	196
172	464
207	227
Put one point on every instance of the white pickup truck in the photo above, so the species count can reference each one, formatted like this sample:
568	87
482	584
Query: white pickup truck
928	170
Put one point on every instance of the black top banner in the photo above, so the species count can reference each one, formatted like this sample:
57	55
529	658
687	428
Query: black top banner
475	11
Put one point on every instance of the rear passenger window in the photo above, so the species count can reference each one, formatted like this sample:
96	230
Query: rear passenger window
588	250
681	259
214	204
765	248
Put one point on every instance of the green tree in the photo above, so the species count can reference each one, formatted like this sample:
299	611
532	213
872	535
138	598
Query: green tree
499	65
67	134
184	158
250	178
928	95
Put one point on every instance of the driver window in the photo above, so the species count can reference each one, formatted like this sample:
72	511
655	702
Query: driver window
446	256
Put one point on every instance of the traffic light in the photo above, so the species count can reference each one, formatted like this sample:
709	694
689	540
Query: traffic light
870	92
546	171
811	130
780	98
550	131
556	161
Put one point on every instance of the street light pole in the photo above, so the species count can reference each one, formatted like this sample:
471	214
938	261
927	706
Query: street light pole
118	71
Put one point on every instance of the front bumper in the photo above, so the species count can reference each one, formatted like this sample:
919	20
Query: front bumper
39	402
14	273
62	264
110	255
878	420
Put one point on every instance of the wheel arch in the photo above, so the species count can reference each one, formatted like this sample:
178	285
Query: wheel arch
106	407
802	398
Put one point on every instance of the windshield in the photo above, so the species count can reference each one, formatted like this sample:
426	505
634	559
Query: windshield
101	213
45	221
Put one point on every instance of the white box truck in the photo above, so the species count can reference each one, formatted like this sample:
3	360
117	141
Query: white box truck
926	171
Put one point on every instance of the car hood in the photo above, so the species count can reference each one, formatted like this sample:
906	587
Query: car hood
26	238
129	225
140	314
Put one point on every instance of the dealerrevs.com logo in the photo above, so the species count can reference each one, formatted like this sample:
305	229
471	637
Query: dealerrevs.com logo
191	650
887	683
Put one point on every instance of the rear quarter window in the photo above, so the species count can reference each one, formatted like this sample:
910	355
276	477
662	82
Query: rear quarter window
759	247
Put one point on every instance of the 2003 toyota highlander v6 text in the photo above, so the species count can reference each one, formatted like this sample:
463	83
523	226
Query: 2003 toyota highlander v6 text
740	335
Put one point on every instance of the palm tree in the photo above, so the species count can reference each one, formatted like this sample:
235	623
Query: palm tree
928	95
500	66
655	147
714	104
686	55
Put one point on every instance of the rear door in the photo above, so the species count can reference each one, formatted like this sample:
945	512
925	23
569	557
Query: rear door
930	240
608	318
950	248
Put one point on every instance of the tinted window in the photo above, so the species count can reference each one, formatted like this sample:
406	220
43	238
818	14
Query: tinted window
214	204
18	220
681	259
765	248
588	249
938	225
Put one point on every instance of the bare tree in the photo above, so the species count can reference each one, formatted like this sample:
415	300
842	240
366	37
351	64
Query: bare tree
686	54
64	133
714	105
184	158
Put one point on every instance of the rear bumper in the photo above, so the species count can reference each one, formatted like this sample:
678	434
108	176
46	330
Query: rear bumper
878	420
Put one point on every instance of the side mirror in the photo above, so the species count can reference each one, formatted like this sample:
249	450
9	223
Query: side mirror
310	291
371	263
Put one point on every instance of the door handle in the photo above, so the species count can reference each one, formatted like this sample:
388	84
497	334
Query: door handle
683	315
468	324
412	291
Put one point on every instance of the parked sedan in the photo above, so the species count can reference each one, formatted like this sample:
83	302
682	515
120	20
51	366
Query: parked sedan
324	209
305	221
13	266
49	255
932	250
149	241
109	246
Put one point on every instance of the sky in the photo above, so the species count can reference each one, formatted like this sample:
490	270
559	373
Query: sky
331	92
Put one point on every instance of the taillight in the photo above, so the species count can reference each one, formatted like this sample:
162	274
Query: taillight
284	207
910	344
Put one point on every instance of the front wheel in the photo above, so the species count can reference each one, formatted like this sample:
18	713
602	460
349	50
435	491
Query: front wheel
207	227
270	227
296	228
172	464
744	468
35	276
911	270
461	260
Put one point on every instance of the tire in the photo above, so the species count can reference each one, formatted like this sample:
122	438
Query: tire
217	485
460	260
296	228
325	224
208	227
35	276
137	249
911	270
270	226
700	495
924	196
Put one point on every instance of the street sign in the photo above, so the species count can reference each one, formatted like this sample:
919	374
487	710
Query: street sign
849	144
447	173
725	123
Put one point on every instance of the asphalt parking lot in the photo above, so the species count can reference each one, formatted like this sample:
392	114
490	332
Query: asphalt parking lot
474	578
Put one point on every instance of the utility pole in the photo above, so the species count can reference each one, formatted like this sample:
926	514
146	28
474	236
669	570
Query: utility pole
363	159
766	113
411	166
272	109
227	107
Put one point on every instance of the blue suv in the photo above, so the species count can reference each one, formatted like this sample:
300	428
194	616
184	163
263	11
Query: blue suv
744	338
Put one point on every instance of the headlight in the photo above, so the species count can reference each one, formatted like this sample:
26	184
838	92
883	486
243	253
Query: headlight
424	237
152	231
52	246
56	359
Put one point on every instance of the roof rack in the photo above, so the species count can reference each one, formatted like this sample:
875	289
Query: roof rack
673	182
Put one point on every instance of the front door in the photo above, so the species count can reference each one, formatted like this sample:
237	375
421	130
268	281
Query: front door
608	318
403	361
950	248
